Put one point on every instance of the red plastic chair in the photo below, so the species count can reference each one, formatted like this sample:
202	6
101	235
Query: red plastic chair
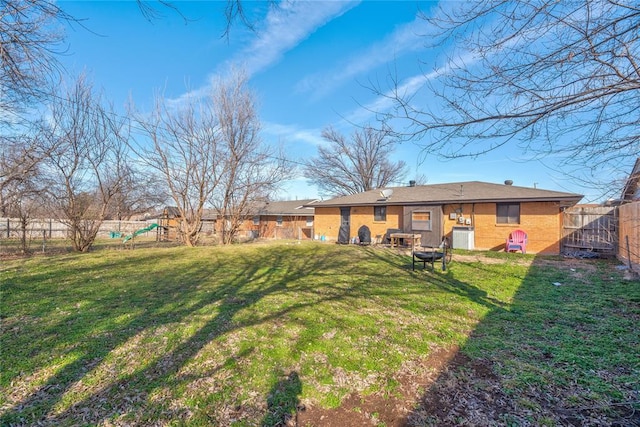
517	241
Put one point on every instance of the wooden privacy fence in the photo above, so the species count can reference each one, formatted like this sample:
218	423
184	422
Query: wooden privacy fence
590	228
629	244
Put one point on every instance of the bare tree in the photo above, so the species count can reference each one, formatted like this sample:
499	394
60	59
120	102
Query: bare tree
21	183
86	161
183	151
27	204
28	42
139	193
209	154
234	11
249	171
28	39
20	157
559	78
359	164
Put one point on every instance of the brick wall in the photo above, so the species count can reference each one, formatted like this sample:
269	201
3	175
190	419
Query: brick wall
292	227
541	221
327	221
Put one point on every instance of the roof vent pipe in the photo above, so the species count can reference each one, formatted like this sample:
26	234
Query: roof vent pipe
508	182
412	183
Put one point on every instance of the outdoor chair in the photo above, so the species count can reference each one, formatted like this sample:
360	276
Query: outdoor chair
517	241
431	254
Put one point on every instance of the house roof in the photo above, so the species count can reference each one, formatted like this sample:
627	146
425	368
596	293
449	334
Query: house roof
174	212
631	189
455	192
289	208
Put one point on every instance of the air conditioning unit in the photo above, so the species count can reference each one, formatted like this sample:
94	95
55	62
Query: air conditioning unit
463	238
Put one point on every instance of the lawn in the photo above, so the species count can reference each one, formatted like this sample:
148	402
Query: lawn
315	334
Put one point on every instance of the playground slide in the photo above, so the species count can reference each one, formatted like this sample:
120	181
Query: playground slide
138	232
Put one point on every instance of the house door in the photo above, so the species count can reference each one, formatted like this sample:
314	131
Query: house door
345	231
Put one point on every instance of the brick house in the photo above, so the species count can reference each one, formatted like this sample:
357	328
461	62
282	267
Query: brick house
290	219
482	213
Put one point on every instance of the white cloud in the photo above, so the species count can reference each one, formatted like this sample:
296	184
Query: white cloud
283	29
385	102
289	134
405	90
406	38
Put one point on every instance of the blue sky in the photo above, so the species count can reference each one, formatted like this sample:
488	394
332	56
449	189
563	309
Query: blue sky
312	64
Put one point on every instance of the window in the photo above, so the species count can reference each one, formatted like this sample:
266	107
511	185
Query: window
421	220
256	220
309	221
279	220
379	213
508	213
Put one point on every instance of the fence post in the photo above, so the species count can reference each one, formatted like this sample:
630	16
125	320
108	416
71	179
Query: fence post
626	238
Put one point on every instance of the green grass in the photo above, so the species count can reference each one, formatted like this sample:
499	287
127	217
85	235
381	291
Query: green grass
242	335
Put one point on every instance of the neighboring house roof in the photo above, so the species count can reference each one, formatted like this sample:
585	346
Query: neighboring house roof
171	211
455	192
631	189
174	212
289	208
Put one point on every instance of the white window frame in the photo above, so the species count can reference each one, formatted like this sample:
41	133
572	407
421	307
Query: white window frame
422	224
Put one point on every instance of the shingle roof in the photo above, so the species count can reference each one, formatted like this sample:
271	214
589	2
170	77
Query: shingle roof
455	192
631	189
289	207
174	212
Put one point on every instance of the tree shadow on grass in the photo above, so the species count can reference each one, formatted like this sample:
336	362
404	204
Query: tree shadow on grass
444	280
153	300
558	354
541	354
114	304
283	402
157	291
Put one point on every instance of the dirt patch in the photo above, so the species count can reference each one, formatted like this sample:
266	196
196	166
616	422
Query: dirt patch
479	257
391	410
442	390
452	389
